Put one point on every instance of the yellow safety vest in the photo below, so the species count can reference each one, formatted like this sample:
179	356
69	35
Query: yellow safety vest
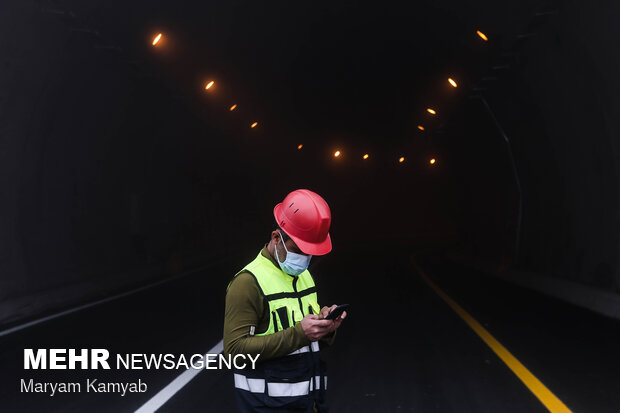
295	382
289	297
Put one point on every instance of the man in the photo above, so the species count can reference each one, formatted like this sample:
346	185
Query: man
272	311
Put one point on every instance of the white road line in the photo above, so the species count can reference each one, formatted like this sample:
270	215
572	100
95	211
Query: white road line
175	385
94	303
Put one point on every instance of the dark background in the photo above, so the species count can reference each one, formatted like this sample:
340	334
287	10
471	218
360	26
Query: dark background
117	167
118	170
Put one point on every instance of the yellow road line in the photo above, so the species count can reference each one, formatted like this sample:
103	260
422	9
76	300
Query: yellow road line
543	394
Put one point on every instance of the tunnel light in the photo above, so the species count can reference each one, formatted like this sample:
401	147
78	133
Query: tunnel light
336	154
233	107
482	36
452	82
420	127
365	156
300	146
432	161
255	124
208	86
431	111
401	159
156	39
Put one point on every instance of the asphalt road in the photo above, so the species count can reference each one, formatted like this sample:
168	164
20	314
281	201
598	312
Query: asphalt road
402	349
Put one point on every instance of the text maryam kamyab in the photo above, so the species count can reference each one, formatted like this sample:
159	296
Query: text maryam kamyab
88	386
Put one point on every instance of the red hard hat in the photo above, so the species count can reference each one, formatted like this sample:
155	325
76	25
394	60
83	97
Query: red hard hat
305	217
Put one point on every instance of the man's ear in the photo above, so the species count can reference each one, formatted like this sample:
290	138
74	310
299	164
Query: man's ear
275	236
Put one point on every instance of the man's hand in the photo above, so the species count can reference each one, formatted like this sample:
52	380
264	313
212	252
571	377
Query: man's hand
315	328
335	323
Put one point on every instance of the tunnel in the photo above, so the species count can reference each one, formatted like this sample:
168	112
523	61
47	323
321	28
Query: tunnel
466	152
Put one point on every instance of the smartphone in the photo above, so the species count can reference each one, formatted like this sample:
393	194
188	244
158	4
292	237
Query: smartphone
335	313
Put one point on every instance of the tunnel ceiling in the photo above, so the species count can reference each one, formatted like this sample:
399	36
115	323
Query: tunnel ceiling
351	75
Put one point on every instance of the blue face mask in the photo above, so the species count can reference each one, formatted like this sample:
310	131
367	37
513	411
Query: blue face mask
294	264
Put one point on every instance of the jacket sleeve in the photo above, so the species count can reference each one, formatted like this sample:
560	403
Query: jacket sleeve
328	340
244	308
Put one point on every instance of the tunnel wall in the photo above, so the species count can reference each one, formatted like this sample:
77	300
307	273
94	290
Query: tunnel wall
558	99
105	173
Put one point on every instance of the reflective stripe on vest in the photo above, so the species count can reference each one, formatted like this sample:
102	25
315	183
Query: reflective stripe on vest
251	385
301	388
306	349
